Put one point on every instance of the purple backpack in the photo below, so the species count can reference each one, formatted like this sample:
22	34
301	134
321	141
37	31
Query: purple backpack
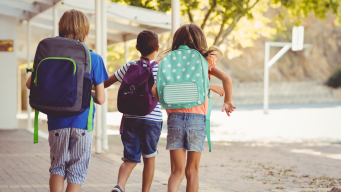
134	95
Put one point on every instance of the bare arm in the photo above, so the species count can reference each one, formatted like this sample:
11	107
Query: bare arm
227	84
154	92
218	89
28	82
112	79
99	94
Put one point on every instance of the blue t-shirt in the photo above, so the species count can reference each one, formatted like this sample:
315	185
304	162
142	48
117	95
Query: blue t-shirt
98	75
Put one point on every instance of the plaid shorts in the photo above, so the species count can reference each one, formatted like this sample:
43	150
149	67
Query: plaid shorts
76	142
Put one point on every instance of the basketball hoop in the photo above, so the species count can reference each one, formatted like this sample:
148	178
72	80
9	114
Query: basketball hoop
297	44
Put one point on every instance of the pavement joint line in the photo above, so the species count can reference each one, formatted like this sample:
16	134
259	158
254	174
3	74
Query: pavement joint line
39	186
25	186
14	186
158	173
4	186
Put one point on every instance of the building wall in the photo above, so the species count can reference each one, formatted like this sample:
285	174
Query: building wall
8	76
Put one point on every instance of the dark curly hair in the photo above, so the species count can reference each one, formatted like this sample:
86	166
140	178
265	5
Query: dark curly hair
147	42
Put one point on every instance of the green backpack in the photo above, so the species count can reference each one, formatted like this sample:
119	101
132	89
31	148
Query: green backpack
183	82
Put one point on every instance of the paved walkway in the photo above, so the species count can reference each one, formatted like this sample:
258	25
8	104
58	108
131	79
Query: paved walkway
230	167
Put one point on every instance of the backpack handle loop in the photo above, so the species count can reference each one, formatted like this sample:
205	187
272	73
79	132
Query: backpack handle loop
150	65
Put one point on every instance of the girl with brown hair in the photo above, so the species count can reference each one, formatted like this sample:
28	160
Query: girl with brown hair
187	127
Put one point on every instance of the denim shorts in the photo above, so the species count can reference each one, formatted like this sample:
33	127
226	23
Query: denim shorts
70	151
186	131
140	137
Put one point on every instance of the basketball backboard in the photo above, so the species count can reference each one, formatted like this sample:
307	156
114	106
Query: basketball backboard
297	38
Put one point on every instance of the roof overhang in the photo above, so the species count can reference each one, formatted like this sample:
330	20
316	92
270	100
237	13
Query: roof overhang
124	22
25	9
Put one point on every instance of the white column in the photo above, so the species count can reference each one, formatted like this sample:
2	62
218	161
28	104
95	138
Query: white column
29	122
55	21
175	5
98	50
19	89
8	72
125	51
98	26
104	107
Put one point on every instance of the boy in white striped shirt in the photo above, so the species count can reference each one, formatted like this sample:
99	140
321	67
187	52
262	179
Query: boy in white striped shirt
140	134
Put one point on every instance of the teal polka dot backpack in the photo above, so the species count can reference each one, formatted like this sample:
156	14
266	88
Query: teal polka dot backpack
183	82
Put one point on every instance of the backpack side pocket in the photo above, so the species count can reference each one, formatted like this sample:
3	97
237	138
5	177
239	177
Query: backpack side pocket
86	90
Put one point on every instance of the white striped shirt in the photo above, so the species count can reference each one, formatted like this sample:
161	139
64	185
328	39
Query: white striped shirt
156	114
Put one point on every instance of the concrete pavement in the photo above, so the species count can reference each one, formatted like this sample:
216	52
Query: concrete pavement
236	166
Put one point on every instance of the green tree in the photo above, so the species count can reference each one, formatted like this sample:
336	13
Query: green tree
228	13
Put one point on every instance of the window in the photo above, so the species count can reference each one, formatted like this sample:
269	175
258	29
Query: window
6	45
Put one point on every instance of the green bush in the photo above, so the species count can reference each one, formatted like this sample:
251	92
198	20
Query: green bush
335	79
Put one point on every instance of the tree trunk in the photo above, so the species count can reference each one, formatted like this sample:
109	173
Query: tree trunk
228	30
220	32
207	15
190	16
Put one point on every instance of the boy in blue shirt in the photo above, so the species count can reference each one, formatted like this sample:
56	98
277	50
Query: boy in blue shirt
140	134
69	136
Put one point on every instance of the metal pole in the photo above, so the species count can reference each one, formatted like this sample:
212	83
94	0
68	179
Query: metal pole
279	55
98	50
29	122
266	78
104	107
175	5
55	21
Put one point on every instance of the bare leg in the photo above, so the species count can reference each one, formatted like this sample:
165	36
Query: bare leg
124	173
192	171
73	187
56	183
178	162
148	173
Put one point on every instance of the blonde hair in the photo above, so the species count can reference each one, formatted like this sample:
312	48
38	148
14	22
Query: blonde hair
192	36
74	25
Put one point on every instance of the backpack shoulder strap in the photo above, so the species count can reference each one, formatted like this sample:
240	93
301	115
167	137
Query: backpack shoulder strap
148	62
208	122
91	107
88	57
153	64
36	129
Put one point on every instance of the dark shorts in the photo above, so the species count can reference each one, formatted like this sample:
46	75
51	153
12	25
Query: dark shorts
140	137
186	131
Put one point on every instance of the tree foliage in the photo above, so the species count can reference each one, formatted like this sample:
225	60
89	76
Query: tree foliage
335	79
228	13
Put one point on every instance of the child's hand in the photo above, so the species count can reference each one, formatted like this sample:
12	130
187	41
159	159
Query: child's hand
228	107
218	89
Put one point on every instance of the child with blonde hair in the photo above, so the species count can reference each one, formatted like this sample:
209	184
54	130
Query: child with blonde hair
70	137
